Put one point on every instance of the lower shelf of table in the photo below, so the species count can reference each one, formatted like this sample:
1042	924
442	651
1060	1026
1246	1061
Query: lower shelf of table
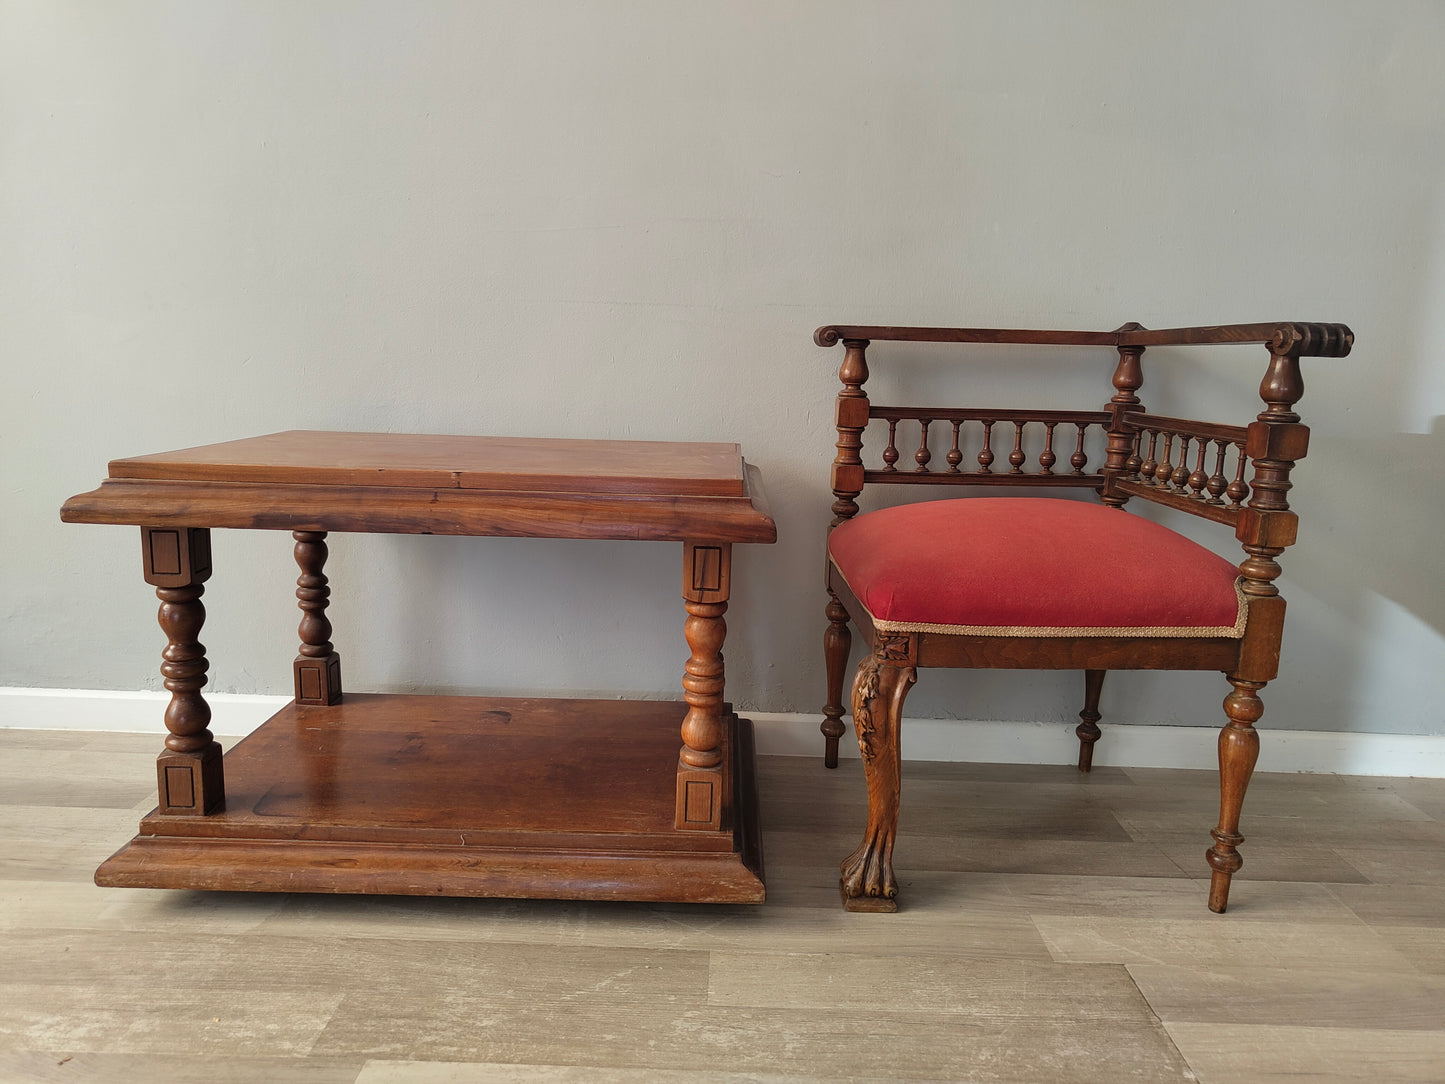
460	796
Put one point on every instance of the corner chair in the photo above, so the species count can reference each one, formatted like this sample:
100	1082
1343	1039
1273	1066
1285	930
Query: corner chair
1027	582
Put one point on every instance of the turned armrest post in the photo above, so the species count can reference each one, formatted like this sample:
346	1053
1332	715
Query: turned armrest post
852	419
1276	441
1128	379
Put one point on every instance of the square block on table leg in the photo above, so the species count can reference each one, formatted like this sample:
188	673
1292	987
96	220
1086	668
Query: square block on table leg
191	782
699	799
318	681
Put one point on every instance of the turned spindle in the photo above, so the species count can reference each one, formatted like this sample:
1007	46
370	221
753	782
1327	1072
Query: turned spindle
1047	458
1165	470
1150	464
1217	484
837	642
1080	459
1197	478
985	454
1016	457
923	455
1181	471
1238	489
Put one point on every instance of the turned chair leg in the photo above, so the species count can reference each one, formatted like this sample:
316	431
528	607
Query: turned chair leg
837	640
1088	730
882	683
1238	752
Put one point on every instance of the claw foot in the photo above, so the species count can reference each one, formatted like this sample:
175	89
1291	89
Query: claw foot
867	883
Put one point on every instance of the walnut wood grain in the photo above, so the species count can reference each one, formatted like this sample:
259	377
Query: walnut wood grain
408	460
429	795
382	510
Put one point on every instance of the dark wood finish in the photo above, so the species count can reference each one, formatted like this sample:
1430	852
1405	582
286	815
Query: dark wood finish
962	426
703	495
317	669
1303	340
837	642
1196	467
461	796
189	776
1088	729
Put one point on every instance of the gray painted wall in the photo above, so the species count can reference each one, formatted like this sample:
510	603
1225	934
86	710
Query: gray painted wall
624	220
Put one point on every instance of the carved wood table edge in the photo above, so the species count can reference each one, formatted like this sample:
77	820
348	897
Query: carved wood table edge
468	796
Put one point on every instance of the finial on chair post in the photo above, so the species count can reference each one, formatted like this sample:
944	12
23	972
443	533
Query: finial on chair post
852	419
1128	379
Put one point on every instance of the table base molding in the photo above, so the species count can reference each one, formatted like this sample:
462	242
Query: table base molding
460	796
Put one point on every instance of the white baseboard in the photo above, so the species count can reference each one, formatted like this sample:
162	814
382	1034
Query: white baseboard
792	734
1136	746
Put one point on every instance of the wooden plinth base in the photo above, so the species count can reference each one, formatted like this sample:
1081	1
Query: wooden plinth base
460	796
867	904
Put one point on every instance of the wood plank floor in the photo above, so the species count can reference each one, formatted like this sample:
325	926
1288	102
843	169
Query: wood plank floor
1053	929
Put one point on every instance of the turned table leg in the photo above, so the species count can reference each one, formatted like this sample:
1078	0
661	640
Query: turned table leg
318	667
177	562
702	763
882	683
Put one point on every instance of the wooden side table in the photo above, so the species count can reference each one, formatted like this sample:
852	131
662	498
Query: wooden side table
445	795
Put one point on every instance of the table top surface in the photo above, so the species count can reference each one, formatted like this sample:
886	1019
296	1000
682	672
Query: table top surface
403	483
508	464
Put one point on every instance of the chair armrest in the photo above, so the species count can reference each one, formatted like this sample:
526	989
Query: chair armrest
1283	337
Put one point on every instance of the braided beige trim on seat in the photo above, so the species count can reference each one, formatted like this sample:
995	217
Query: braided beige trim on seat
1235	631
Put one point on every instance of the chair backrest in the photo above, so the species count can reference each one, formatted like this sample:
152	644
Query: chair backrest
1198	467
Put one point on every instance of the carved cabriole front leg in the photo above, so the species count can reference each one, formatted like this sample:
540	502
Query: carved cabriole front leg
177	562
882	683
702	791
317	668
837	642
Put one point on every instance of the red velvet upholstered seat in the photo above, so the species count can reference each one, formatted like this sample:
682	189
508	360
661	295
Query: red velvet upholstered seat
1033	566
